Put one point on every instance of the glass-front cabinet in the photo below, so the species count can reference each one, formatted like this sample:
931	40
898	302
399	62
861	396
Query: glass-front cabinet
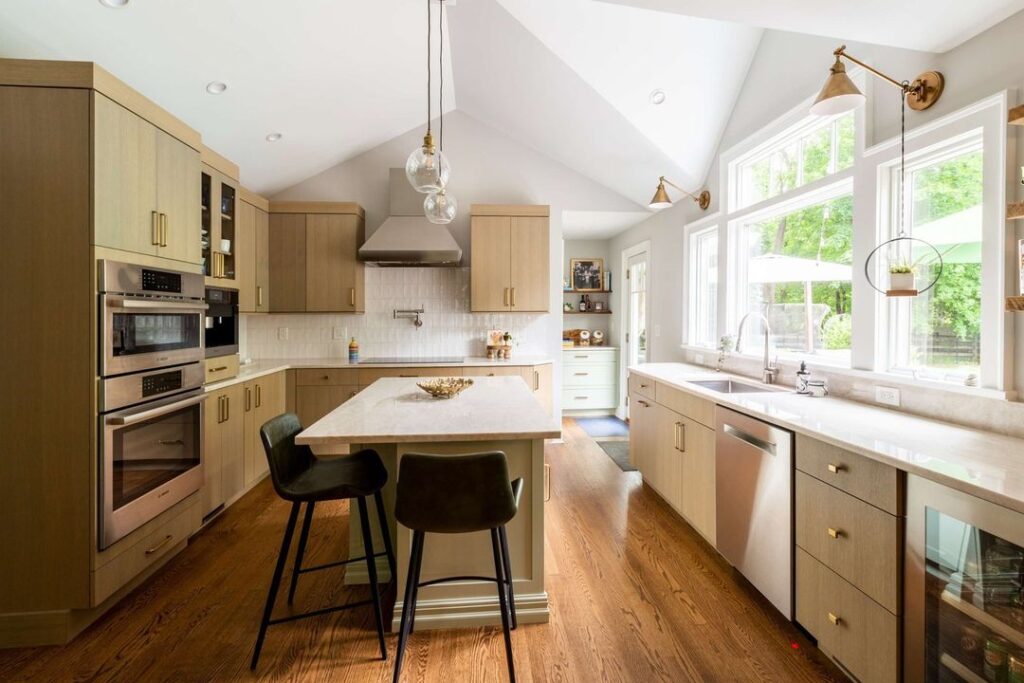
964	588
220	200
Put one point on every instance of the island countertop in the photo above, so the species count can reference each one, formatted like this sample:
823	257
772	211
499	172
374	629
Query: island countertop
395	410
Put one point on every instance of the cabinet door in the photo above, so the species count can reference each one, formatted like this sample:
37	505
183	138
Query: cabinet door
245	257
233	443
178	198
262	242
252	444
124	178
698	477
531	266
268	402
331	263
668	456
641	429
491	268
213	489
313	402
225	246
287	256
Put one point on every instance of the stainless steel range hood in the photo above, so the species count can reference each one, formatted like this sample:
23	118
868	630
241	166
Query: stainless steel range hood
407	238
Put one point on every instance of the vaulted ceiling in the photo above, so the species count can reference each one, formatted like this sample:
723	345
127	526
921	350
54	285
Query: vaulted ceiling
570	78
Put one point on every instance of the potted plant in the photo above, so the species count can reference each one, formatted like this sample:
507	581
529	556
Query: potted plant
901	276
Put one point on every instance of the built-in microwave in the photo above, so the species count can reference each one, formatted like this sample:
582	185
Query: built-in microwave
221	325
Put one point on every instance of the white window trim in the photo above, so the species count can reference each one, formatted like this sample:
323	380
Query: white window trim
628	253
710	222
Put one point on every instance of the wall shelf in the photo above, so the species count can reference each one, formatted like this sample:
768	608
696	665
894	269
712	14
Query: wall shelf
1016	116
604	312
576	291
1015	303
1014	210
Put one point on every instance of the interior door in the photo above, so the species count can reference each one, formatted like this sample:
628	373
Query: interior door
245	257
530	266
178	170
637	310
491	271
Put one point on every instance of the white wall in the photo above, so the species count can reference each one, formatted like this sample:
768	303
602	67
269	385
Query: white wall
487	168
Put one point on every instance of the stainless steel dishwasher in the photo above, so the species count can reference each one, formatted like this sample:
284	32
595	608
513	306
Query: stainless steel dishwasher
754	503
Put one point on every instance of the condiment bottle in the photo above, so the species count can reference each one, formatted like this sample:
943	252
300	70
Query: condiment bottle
353	351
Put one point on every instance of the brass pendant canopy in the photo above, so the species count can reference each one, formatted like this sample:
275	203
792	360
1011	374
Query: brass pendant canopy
839	94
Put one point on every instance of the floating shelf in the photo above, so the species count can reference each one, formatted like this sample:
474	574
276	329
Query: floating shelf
577	291
1014	210
604	312
1016	116
1015	303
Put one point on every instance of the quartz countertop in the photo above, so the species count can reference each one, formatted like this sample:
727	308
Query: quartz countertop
261	368
987	465
395	410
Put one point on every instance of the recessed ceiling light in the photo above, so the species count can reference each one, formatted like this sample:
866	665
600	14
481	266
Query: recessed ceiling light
216	87
657	96
273	137
114	4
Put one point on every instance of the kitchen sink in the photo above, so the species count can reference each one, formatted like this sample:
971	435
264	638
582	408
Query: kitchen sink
728	386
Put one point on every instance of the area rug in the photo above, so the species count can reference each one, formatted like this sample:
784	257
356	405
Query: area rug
608	428
618	451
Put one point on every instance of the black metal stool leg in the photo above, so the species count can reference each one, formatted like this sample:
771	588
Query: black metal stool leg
416	585
371	567
409	604
385	531
301	552
275	582
499	572
507	565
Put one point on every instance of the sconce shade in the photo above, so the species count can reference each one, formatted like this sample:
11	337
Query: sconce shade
839	94
660	200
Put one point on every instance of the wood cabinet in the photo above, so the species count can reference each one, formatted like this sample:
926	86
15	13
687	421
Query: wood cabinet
145	201
224	446
510	267
221	215
264	398
252	256
697	443
313	262
318	391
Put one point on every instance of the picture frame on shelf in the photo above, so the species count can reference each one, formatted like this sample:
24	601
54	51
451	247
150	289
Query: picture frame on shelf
587	274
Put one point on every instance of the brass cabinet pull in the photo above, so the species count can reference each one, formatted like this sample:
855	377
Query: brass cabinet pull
536	380
835	620
154	228
219	368
643	386
504	297
259	395
645	404
836	469
408	375
227	408
163	230
681	439
834	533
513	297
259	295
547	482
248	399
352	296
161	544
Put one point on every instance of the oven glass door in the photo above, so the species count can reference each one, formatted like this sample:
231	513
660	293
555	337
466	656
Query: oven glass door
144	333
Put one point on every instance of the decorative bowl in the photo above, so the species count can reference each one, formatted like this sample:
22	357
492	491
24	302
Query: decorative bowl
445	387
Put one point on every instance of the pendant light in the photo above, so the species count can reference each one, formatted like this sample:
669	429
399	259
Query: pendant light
427	168
439	206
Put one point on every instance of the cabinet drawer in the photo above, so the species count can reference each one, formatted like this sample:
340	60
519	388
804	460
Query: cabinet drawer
588	375
857	541
588	355
588	398
686	404
368	377
221	368
500	371
315	377
644	386
148	551
850	627
867	479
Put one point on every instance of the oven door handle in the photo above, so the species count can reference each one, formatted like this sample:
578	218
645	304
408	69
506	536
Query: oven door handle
154	412
149	305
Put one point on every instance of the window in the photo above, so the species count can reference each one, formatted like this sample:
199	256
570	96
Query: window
703	319
794	267
937	334
810	151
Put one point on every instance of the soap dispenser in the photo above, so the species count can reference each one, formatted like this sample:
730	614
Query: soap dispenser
803	376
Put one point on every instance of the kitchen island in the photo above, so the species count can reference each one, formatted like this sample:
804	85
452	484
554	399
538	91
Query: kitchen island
395	417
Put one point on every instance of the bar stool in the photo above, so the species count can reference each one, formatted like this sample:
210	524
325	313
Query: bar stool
301	477
457	494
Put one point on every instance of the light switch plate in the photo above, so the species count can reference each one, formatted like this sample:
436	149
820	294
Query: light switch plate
340	332
888	396
282	333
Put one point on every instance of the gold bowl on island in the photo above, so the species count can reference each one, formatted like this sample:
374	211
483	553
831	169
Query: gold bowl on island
445	387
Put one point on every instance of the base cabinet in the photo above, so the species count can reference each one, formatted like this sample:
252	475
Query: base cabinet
223	452
264	400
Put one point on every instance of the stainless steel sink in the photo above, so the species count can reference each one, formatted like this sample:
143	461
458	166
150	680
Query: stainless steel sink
728	386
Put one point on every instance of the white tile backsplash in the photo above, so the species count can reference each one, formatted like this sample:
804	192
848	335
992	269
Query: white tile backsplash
449	328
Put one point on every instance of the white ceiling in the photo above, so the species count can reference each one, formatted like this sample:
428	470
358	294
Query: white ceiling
933	26
599	225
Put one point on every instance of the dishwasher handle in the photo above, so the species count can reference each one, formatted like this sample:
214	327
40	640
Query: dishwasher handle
760	444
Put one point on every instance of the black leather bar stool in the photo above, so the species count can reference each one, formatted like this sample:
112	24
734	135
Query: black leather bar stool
301	477
457	494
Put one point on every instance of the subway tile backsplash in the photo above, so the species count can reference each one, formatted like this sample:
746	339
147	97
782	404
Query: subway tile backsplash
449	329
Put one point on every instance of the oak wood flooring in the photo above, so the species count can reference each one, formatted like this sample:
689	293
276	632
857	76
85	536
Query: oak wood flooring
635	593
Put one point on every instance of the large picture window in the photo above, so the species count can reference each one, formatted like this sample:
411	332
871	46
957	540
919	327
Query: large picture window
703	322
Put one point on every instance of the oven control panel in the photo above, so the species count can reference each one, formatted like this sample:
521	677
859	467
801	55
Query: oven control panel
154	385
161	281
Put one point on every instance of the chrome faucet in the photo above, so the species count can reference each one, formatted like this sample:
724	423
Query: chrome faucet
771	371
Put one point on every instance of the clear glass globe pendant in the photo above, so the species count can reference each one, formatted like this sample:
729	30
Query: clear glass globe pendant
427	167
440	207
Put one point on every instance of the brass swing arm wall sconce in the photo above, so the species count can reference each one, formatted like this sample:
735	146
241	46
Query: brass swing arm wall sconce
661	200
840	94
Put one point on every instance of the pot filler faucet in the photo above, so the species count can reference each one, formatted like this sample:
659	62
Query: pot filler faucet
771	370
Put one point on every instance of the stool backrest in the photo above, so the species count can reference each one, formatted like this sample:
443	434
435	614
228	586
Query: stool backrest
454	493
286	459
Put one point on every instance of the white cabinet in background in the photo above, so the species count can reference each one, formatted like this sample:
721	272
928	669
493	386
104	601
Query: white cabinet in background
590	380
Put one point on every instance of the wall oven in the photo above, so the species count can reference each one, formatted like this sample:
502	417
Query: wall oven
221	322
149	318
963	588
151	394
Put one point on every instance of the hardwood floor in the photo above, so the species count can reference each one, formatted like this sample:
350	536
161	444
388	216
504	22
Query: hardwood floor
636	595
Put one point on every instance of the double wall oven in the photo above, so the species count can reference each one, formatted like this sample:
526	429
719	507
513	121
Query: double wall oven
151	393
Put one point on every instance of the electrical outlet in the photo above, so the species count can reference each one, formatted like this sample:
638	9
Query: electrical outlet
282	333
698	358
340	332
889	396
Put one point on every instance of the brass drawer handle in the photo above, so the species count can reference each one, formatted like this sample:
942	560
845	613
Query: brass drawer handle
259	295
352	297
248	399
163	230
835	620
259	395
513	297
154	228
644	386
834	533
547	482
159	545
836	469
220	368
581	374
645	404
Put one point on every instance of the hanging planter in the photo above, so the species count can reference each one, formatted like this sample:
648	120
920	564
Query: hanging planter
903	259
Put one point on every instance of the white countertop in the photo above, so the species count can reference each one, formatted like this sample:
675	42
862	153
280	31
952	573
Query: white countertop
983	464
261	368
395	410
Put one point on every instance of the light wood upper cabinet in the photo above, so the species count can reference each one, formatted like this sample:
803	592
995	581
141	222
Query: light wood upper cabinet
510	269
177	199
262	261
287	262
245	257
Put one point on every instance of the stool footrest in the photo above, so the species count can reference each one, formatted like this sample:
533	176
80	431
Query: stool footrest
340	563
326	610
457	578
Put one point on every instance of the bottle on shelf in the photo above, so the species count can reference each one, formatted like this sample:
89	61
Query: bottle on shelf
583	303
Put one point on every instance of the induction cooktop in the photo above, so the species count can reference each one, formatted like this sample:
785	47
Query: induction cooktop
412	361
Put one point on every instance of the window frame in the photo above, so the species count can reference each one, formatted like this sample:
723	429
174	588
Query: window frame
696	229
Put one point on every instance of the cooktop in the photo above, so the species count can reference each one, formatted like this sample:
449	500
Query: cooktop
412	361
